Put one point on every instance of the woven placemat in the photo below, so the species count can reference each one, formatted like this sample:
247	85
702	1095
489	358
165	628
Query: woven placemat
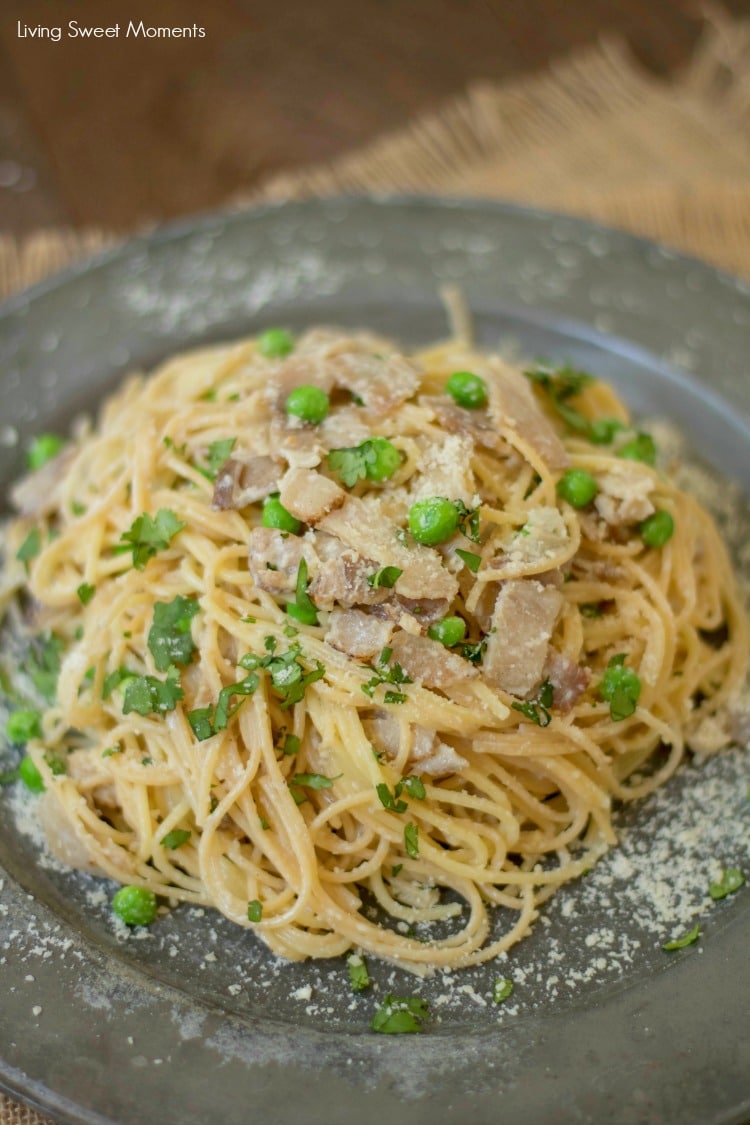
594	136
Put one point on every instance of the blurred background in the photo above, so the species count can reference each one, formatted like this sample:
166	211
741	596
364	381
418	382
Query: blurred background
115	133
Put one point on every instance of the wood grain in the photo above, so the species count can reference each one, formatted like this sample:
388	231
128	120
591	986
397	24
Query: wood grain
119	132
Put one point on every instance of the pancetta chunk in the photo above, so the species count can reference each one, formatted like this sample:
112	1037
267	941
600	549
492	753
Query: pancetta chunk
523	620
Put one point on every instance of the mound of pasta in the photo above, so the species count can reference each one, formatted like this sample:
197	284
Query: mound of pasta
351	641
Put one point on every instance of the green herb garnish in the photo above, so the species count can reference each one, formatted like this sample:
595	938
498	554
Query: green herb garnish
400	1015
375	459
302	609
147	695
731	881
538	710
470	559
687	939
386	577
359	978
169	638
501	989
175	839
148	534
85	593
411	840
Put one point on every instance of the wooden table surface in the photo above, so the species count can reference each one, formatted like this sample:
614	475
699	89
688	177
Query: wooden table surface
117	132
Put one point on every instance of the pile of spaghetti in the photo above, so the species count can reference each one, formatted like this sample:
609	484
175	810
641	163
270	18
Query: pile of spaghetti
352	642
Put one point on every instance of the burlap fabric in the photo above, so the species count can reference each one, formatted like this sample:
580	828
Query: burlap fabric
594	136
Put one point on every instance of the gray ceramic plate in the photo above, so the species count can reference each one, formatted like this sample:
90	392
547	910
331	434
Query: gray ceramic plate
195	1022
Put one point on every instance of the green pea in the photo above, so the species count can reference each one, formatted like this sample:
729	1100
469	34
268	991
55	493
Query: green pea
23	725
135	906
577	487
310	404
384	459
30	775
276	515
641	448
602	430
433	520
467	389
658	529
450	631
42	449
275	343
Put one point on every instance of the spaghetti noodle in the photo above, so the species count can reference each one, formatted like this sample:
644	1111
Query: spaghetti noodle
354	641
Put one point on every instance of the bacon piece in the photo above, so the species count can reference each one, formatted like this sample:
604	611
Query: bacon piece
423	611
361	635
429	662
342	576
518	416
524	619
456	420
309	496
569	680
239	483
274	558
369	368
428	755
363	528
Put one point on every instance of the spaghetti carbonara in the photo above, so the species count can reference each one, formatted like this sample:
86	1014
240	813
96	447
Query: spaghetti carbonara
351	640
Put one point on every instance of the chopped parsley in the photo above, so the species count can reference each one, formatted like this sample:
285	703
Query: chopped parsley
288	676
561	384
501	989
473	651
621	687
290	745
386	577
114	679
687	939
175	839
411	840
218	453
207	721
414	786
731	880
149	534
400	1015
386	673
396	869
85	593
302	781
30	547
359	978
537	711
147	695
374	459
302	608
468	521
169	638
390	800
590	609
111	751
42	664
470	559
